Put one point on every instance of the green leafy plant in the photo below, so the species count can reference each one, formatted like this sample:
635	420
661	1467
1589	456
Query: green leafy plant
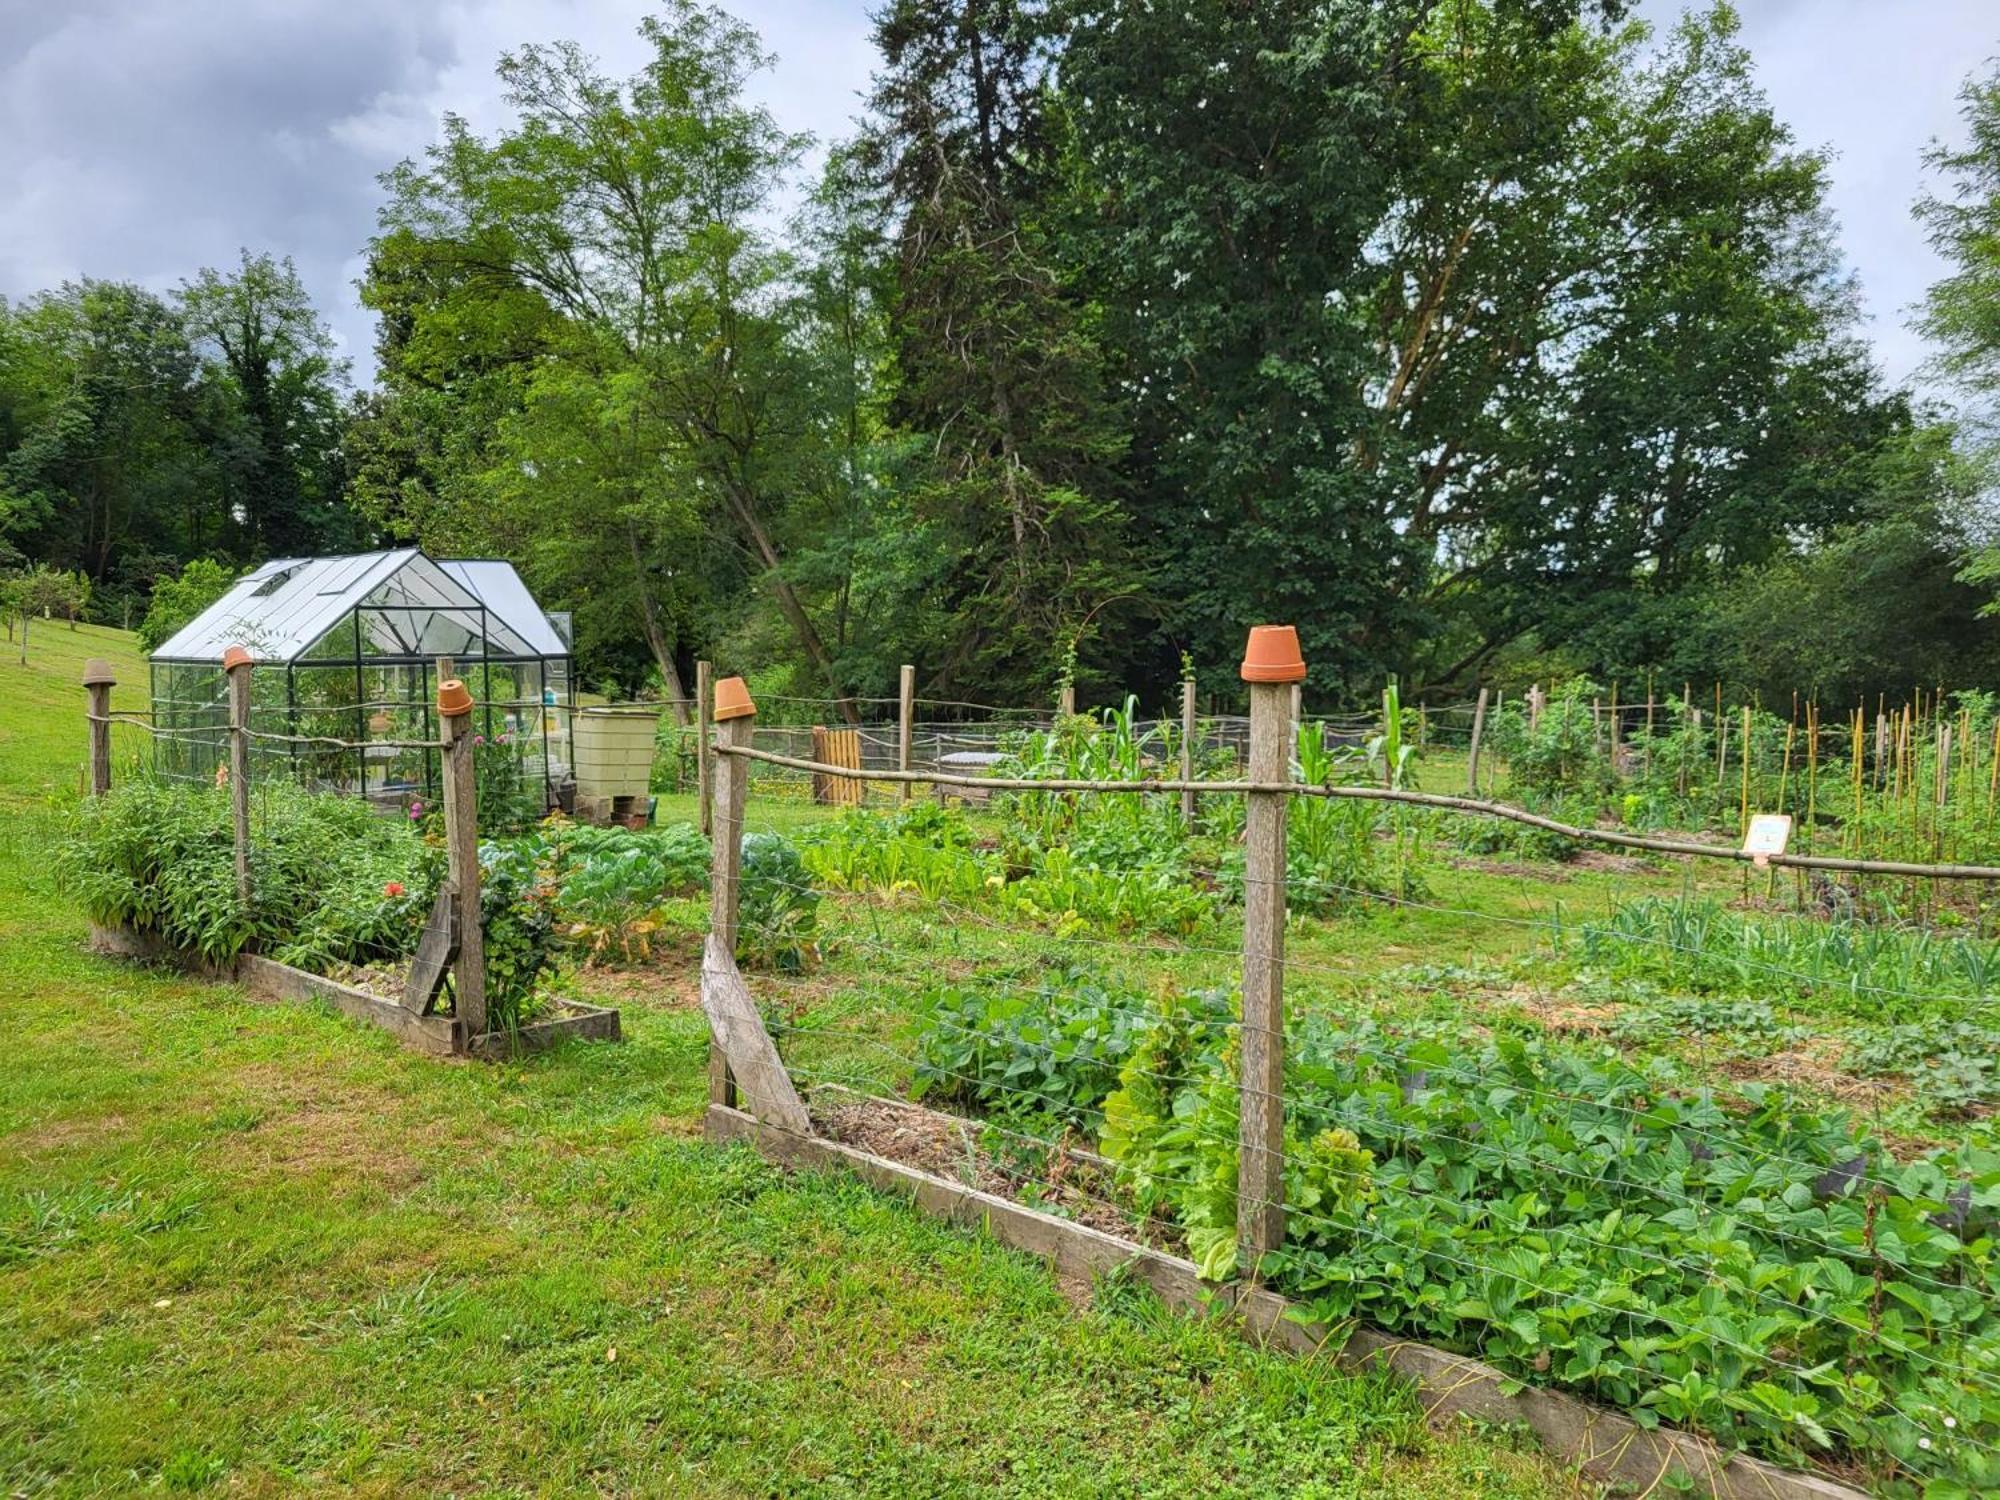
517	911
778	909
1866	970
1051	1047
1761	1271
159	857
611	882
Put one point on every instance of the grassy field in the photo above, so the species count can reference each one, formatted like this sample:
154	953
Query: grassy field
256	1250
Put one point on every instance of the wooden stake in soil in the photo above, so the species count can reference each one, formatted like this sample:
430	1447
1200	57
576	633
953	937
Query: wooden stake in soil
1272	666
1187	750
704	751
735	719
98	682
906	720
1472	756
461	839
1743	826
236	665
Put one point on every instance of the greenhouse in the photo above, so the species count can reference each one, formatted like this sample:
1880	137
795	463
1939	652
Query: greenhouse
345	683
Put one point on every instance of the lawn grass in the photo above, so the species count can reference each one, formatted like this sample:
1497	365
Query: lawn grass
257	1250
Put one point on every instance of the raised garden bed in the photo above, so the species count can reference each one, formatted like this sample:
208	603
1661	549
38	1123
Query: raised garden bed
1602	1443
440	1036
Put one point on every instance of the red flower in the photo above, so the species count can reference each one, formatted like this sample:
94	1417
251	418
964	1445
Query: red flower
394	888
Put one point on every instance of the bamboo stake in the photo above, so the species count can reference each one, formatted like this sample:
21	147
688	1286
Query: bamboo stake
1855	828
1743	827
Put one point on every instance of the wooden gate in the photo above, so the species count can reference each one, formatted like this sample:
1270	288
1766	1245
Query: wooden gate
837	747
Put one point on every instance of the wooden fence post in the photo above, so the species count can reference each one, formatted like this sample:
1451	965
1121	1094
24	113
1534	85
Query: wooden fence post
461	837
1066	701
735	719
98	682
1187	750
1273	668
704	754
1472	758
906	723
236	664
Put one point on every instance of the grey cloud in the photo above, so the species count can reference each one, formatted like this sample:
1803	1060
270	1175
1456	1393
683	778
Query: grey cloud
142	139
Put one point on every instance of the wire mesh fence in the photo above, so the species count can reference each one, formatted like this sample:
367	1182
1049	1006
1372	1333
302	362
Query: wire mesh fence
1778	1277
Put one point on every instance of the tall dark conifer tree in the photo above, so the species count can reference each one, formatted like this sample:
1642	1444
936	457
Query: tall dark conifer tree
1019	543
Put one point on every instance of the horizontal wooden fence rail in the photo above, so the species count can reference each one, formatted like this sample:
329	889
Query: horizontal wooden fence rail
1438	800
776	1098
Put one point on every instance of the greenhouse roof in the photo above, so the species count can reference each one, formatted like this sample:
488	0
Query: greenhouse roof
405	604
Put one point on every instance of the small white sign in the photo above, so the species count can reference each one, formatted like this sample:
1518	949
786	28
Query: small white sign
1767	835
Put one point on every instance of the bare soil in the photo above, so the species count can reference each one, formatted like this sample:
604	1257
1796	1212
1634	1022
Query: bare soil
1065	1178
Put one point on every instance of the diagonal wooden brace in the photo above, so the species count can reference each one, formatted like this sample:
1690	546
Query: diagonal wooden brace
435	951
733	1021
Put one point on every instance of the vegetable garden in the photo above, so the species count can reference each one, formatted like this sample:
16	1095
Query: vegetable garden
1715	1153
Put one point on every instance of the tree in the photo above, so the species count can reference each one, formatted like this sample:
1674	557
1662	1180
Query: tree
274	412
626	212
1962	311
102	466
1451	324
1017	538
178	599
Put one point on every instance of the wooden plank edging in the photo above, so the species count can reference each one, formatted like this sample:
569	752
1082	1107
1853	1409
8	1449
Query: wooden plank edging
436	1036
595	1023
268	979
1602	1443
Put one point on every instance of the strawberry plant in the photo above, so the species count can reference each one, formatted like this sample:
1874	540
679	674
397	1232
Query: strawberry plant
1052	1048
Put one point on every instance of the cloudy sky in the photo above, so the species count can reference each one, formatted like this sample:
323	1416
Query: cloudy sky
140	139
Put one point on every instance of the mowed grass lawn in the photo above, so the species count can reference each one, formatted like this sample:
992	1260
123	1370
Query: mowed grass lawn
253	1250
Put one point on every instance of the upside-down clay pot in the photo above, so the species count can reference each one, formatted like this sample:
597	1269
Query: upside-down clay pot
234	657
732	700
454	698
97	673
1272	655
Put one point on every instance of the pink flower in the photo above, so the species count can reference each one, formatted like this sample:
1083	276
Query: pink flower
393	888
416	811
479	739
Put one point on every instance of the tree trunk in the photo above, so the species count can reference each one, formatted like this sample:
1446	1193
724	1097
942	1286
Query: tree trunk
656	636
788	600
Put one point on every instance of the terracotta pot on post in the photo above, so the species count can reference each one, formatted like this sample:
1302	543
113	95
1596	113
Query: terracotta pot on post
454	700
1272	655
732	700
